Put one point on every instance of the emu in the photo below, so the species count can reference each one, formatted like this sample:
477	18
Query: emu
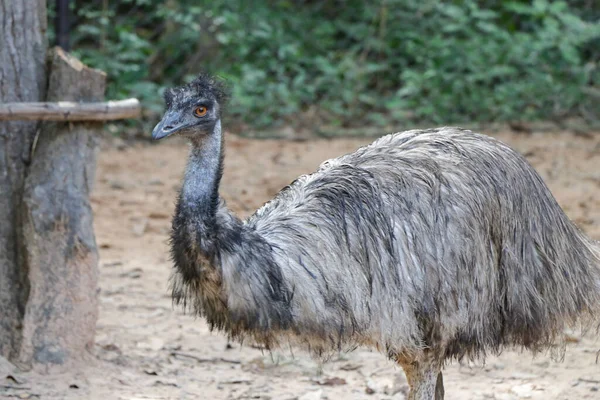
429	245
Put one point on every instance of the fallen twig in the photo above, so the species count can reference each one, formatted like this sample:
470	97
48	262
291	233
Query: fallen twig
584	380
204	360
14	387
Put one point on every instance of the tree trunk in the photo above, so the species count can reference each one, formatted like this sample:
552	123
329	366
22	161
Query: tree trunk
60	249
22	78
48	256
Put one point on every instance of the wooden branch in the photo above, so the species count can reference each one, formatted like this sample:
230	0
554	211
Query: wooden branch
71	111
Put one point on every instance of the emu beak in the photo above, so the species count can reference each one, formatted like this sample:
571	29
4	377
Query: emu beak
166	127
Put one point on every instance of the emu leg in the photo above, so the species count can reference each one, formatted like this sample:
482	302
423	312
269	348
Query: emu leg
439	387
424	378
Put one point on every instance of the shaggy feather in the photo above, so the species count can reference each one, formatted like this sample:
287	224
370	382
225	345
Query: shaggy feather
440	239
428	245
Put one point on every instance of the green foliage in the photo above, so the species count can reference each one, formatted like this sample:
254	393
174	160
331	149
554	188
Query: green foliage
354	62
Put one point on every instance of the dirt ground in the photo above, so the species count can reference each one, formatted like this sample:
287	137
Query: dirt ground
146	349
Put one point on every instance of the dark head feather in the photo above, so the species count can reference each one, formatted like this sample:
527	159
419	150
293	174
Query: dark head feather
204	85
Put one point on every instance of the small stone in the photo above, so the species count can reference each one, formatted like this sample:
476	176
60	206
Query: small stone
135	273
139	228
523	391
166	382
158	215
399	385
155	182
523	376
117	185
381	385
112	264
332	381
371	387
154	344
111	347
350	367
314	395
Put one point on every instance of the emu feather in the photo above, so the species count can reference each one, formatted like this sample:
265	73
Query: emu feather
427	244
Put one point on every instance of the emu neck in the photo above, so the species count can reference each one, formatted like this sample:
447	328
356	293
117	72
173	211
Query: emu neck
200	192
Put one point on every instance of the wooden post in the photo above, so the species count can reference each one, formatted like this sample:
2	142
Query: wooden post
60	249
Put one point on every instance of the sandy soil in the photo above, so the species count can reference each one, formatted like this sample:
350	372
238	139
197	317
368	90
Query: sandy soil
145	349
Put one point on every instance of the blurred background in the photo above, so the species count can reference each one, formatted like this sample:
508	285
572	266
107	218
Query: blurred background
336	73
343	67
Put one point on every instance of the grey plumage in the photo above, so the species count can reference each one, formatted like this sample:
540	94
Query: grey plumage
427	244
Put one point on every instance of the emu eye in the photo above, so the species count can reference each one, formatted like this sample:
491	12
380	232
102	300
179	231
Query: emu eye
200	111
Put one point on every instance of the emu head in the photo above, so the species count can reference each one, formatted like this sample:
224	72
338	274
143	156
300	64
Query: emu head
192	110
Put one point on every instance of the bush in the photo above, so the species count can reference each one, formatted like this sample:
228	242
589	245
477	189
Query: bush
354	63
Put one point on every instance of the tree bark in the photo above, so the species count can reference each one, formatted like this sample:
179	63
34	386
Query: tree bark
60	252
22	78
48	256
